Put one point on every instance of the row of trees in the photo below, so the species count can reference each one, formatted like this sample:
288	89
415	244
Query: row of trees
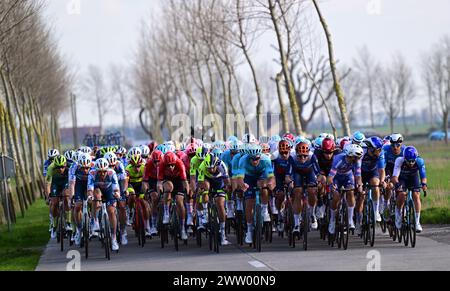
201	56
192	59
34	89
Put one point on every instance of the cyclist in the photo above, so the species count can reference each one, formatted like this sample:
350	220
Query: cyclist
51	155
281	164
103	185
135	175
121	155
227	158
145	152
150	181
406	176
119	168
346	169
196	161
392	151
172	180
71	157
304	168
213	178
78	180
324	156
358	138
373	173
57	185
255	169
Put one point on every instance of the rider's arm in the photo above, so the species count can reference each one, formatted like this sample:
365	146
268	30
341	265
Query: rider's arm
397	170
91	184
422	172
115	185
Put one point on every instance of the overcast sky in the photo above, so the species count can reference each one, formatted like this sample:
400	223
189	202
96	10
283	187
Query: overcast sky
101	32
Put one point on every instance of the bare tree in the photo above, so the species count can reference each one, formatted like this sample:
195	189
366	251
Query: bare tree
96	85
118	89
437	72
368	69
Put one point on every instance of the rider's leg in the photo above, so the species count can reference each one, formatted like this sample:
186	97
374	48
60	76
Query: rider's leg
155	201
96	204
375	183
168	188
351	201
297	205
264	198
112	220
122	216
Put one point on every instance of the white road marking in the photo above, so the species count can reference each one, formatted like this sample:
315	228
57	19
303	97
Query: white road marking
257	264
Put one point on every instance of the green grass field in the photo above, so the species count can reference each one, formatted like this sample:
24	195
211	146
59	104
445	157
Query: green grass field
436	207
21	249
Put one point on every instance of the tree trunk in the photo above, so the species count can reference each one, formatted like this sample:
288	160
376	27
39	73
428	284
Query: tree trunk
337	85
283	109
285	66
445	126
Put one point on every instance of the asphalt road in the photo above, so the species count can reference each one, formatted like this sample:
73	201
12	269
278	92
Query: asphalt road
432	253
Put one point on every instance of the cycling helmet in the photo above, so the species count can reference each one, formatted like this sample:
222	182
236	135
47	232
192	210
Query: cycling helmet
318	143
264	139
396	138
152	146
70	155
249	138
157	156
284	146
302	149
234	146
102	165
191	149
121	151
411	154
275	138
328	145
254	151
265	148
354	151
52	153
111	158
212	161
170	158
202	152
136	160
85	161
86	150
60	161
232	139
289	136
145	151
217	152
162	148
135	152
358	137
374	143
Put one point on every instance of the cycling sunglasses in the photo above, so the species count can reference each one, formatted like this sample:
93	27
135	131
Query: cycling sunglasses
411	162
60	168
255	159
397	145
302	156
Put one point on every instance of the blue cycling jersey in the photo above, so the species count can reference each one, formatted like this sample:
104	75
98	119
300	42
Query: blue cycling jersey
371	163
76	175
263	170
402	169
390	157
47	163
281	167
235	164
227	158
342	167
120	171
109	183
310	165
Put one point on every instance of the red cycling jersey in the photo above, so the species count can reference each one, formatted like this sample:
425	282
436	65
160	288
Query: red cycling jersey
151	171
185	159
165	173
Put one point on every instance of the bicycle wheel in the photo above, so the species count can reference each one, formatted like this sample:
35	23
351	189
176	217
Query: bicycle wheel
61	226
406	225
372	224
412	221
107	238
239	228
175	228
258	228
161	227
210	228
86	234
345	227
141	223
305	229
339	228
289	226
216	232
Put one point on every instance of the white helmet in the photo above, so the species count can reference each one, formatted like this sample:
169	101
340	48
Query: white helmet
86	150
354	150
84	161
135	151
170	147
397	138
52	153
111	158
102	165
145	150
70	155
249	138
